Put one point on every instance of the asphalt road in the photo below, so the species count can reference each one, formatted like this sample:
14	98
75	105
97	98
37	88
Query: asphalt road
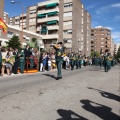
86	94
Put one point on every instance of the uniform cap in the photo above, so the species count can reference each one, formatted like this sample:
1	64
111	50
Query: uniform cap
60	43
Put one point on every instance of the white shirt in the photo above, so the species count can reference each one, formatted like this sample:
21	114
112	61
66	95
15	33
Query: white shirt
49	63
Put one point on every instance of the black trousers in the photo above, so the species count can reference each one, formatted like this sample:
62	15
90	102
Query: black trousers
16	67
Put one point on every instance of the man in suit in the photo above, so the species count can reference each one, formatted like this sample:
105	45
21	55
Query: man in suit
59	58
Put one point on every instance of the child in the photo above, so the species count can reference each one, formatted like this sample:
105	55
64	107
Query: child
49	64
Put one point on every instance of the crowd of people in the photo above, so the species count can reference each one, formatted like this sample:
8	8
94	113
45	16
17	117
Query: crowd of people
15	62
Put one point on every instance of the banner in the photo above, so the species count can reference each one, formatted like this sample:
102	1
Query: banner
3	25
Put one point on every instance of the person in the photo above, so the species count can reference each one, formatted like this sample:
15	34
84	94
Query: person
105	61
41	63
59	58
77	60
0	58
9	63
17	60
49	64
72	58
22	61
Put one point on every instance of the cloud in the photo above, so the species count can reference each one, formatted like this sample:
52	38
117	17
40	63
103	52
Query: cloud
108	8
90	7
116	36
110	28
117	5
117	18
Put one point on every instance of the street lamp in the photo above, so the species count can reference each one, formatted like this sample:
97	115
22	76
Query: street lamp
22	8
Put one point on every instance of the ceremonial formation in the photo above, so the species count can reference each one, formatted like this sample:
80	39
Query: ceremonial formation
15	62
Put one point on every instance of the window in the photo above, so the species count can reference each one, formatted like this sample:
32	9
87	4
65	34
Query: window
67	14
102	38
9	34
102	34
32	12
67	23
102	46
68	5
102	42
67	31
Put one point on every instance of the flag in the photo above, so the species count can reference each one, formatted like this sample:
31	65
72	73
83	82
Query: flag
3	25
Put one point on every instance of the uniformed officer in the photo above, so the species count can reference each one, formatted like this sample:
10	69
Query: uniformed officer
105	61
72	58
59	58
79	61
22	61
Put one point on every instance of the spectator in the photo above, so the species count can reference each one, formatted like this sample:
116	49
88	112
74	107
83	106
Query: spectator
49	64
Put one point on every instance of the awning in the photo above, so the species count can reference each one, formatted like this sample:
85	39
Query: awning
52	13
52	22
51	5
41	15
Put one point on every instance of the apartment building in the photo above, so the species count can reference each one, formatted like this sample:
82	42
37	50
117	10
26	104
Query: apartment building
116	47
101	39
59	20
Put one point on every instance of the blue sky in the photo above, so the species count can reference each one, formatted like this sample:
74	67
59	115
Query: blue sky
104	13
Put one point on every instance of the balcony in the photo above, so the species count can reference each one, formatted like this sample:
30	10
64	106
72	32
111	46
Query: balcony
50	36
32	23
67	18
47	11
42	4
43	20
53	27
66	36
66	27
32	16
68	1
69	9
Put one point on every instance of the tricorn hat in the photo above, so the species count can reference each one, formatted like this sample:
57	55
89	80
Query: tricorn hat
60	43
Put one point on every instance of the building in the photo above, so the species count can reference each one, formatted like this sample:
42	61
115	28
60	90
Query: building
24	35
59	20
116	47
12	30
101	40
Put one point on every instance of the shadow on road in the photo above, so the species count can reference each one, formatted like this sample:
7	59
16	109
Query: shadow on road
52	76
101	111
69	115
107	94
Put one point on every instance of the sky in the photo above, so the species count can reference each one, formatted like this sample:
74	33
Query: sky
105	13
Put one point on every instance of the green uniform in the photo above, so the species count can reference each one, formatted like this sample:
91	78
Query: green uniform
22	62
59	60
72	58
79	61
105	60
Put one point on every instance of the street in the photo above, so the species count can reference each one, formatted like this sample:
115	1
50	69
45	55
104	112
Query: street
85	94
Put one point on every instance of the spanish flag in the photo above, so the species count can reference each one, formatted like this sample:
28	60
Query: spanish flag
3	25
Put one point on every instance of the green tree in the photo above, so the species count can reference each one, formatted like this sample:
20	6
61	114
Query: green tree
118	55
95	53
33	43
14	42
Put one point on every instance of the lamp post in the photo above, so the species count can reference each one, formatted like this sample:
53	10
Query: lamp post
79	45
22	8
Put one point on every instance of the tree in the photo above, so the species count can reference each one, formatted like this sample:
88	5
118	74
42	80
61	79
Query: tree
14	42
33	43
118	55
95	53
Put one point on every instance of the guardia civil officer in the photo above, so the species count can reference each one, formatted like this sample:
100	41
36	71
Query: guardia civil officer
105	61
77	60
59	58
72	58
